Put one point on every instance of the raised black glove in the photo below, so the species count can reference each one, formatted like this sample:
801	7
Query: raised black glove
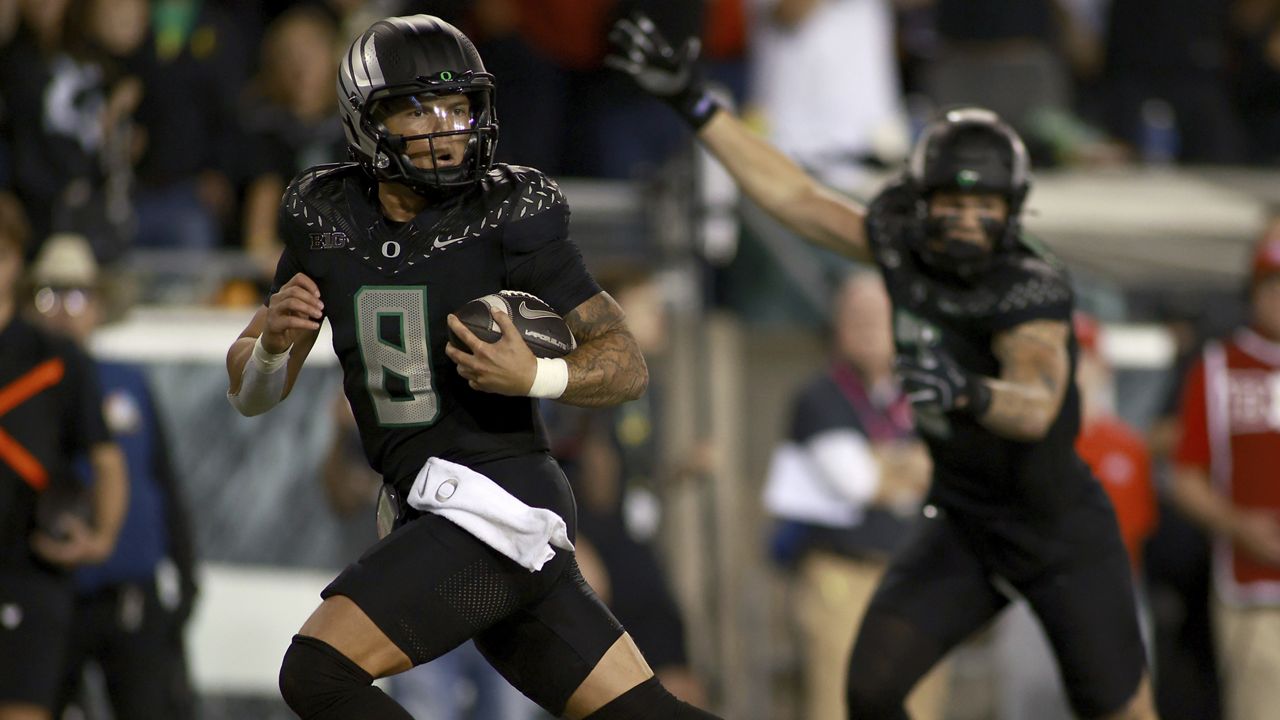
932	378
670	75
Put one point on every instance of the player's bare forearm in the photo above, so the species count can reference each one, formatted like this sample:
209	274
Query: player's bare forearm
784	190
607	367
1034	366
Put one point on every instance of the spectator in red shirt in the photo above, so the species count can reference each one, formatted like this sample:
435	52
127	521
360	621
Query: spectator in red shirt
1226	480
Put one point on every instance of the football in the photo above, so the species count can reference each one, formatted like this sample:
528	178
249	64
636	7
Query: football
543	330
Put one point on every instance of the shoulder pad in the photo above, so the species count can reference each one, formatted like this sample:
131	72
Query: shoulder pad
1030	282
1037	248
894	199
319	175
528	192
309	206
893	221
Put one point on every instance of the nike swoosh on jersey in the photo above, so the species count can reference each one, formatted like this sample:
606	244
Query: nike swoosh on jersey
530	314
439	244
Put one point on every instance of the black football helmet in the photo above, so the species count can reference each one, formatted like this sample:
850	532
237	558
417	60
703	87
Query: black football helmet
969	150
408	60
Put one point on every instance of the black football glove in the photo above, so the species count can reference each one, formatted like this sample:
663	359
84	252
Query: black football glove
931	378
670	75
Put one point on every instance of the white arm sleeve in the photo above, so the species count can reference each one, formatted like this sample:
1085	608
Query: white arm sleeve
846	463
262	383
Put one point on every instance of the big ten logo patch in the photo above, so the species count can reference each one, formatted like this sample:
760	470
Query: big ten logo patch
1253	401
328	241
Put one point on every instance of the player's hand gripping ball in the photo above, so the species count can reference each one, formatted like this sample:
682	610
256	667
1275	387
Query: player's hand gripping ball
541	328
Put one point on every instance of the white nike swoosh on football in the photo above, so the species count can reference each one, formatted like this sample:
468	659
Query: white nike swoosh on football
529	314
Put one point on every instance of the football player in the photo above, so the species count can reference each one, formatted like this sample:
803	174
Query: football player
421	222
982	323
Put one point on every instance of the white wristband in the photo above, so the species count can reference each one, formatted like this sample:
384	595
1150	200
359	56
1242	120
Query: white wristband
267	361
261	383
551	378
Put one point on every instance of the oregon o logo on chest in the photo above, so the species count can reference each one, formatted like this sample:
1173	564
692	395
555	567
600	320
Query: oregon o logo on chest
391	249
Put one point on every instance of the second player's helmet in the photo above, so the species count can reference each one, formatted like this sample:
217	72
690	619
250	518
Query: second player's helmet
972	150
401	59
967	150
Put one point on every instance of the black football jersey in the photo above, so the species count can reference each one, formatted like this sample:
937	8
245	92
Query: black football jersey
975	469
388	287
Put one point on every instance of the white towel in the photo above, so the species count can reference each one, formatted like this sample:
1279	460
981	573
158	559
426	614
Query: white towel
494	516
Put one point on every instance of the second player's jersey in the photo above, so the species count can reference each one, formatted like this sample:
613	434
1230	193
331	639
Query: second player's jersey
975	469
387	289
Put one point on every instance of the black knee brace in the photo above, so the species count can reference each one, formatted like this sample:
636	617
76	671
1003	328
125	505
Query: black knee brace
649	701
320	683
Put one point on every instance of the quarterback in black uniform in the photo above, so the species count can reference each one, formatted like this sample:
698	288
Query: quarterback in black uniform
386	247
982	325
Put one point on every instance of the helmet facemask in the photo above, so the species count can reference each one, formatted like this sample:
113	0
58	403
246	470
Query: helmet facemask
967	259
430	140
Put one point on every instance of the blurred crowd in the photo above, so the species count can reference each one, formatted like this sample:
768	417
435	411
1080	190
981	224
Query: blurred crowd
176	123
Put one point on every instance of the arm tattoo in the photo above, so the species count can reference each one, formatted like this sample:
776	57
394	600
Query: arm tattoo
1034	365
607	367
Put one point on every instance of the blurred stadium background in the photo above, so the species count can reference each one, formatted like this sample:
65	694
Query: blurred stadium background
164	131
